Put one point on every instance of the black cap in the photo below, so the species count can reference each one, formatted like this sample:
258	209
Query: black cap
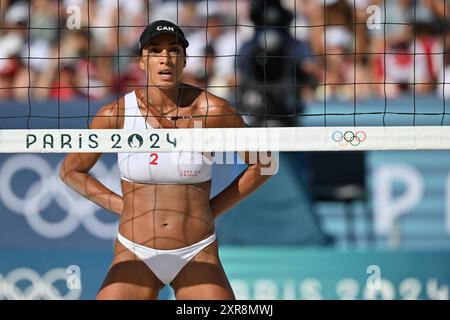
162	27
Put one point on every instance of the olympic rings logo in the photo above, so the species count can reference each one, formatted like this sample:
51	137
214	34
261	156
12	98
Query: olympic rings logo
34	286
49	189
348	137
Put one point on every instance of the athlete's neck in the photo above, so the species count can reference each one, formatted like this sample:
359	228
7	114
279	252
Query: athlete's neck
163	99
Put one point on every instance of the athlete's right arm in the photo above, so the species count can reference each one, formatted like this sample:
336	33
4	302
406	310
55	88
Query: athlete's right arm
75	168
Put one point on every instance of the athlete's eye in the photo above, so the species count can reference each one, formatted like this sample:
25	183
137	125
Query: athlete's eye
153	50
175	51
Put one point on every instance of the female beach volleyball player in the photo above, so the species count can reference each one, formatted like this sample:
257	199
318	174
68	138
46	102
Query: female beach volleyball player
166	231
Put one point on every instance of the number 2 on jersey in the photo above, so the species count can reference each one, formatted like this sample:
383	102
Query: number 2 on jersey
154	159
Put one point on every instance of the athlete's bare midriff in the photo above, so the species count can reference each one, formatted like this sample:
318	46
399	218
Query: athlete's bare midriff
166	216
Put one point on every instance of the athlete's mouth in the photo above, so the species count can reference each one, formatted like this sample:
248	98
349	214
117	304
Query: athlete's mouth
165	72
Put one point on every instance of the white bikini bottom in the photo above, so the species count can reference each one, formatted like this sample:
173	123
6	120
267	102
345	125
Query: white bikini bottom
166	264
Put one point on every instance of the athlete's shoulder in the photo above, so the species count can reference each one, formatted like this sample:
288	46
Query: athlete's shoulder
110	115
220	113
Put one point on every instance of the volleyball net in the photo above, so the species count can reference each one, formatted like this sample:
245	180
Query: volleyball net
304	75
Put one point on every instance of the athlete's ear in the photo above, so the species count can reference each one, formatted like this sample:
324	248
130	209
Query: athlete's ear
141	62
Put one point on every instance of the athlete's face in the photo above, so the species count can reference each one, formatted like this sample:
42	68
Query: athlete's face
163	61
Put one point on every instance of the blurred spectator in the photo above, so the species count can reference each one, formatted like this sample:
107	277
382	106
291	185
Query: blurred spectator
73	74
431	47
204	76
432	15
427	50
183	13
218	33
274	68
44	20
407	53
390	47
338	35
443	70
402	54
116	48
12	41
42	36
340	63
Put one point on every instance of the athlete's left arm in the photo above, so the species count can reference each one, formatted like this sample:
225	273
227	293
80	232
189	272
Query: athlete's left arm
261	165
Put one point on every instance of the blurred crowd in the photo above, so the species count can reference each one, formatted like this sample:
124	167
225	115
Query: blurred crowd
343	49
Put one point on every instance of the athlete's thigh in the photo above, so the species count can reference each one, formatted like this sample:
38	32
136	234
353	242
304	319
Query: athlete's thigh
203	278
129	278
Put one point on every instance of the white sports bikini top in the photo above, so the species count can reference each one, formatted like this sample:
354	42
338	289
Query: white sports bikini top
159	167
